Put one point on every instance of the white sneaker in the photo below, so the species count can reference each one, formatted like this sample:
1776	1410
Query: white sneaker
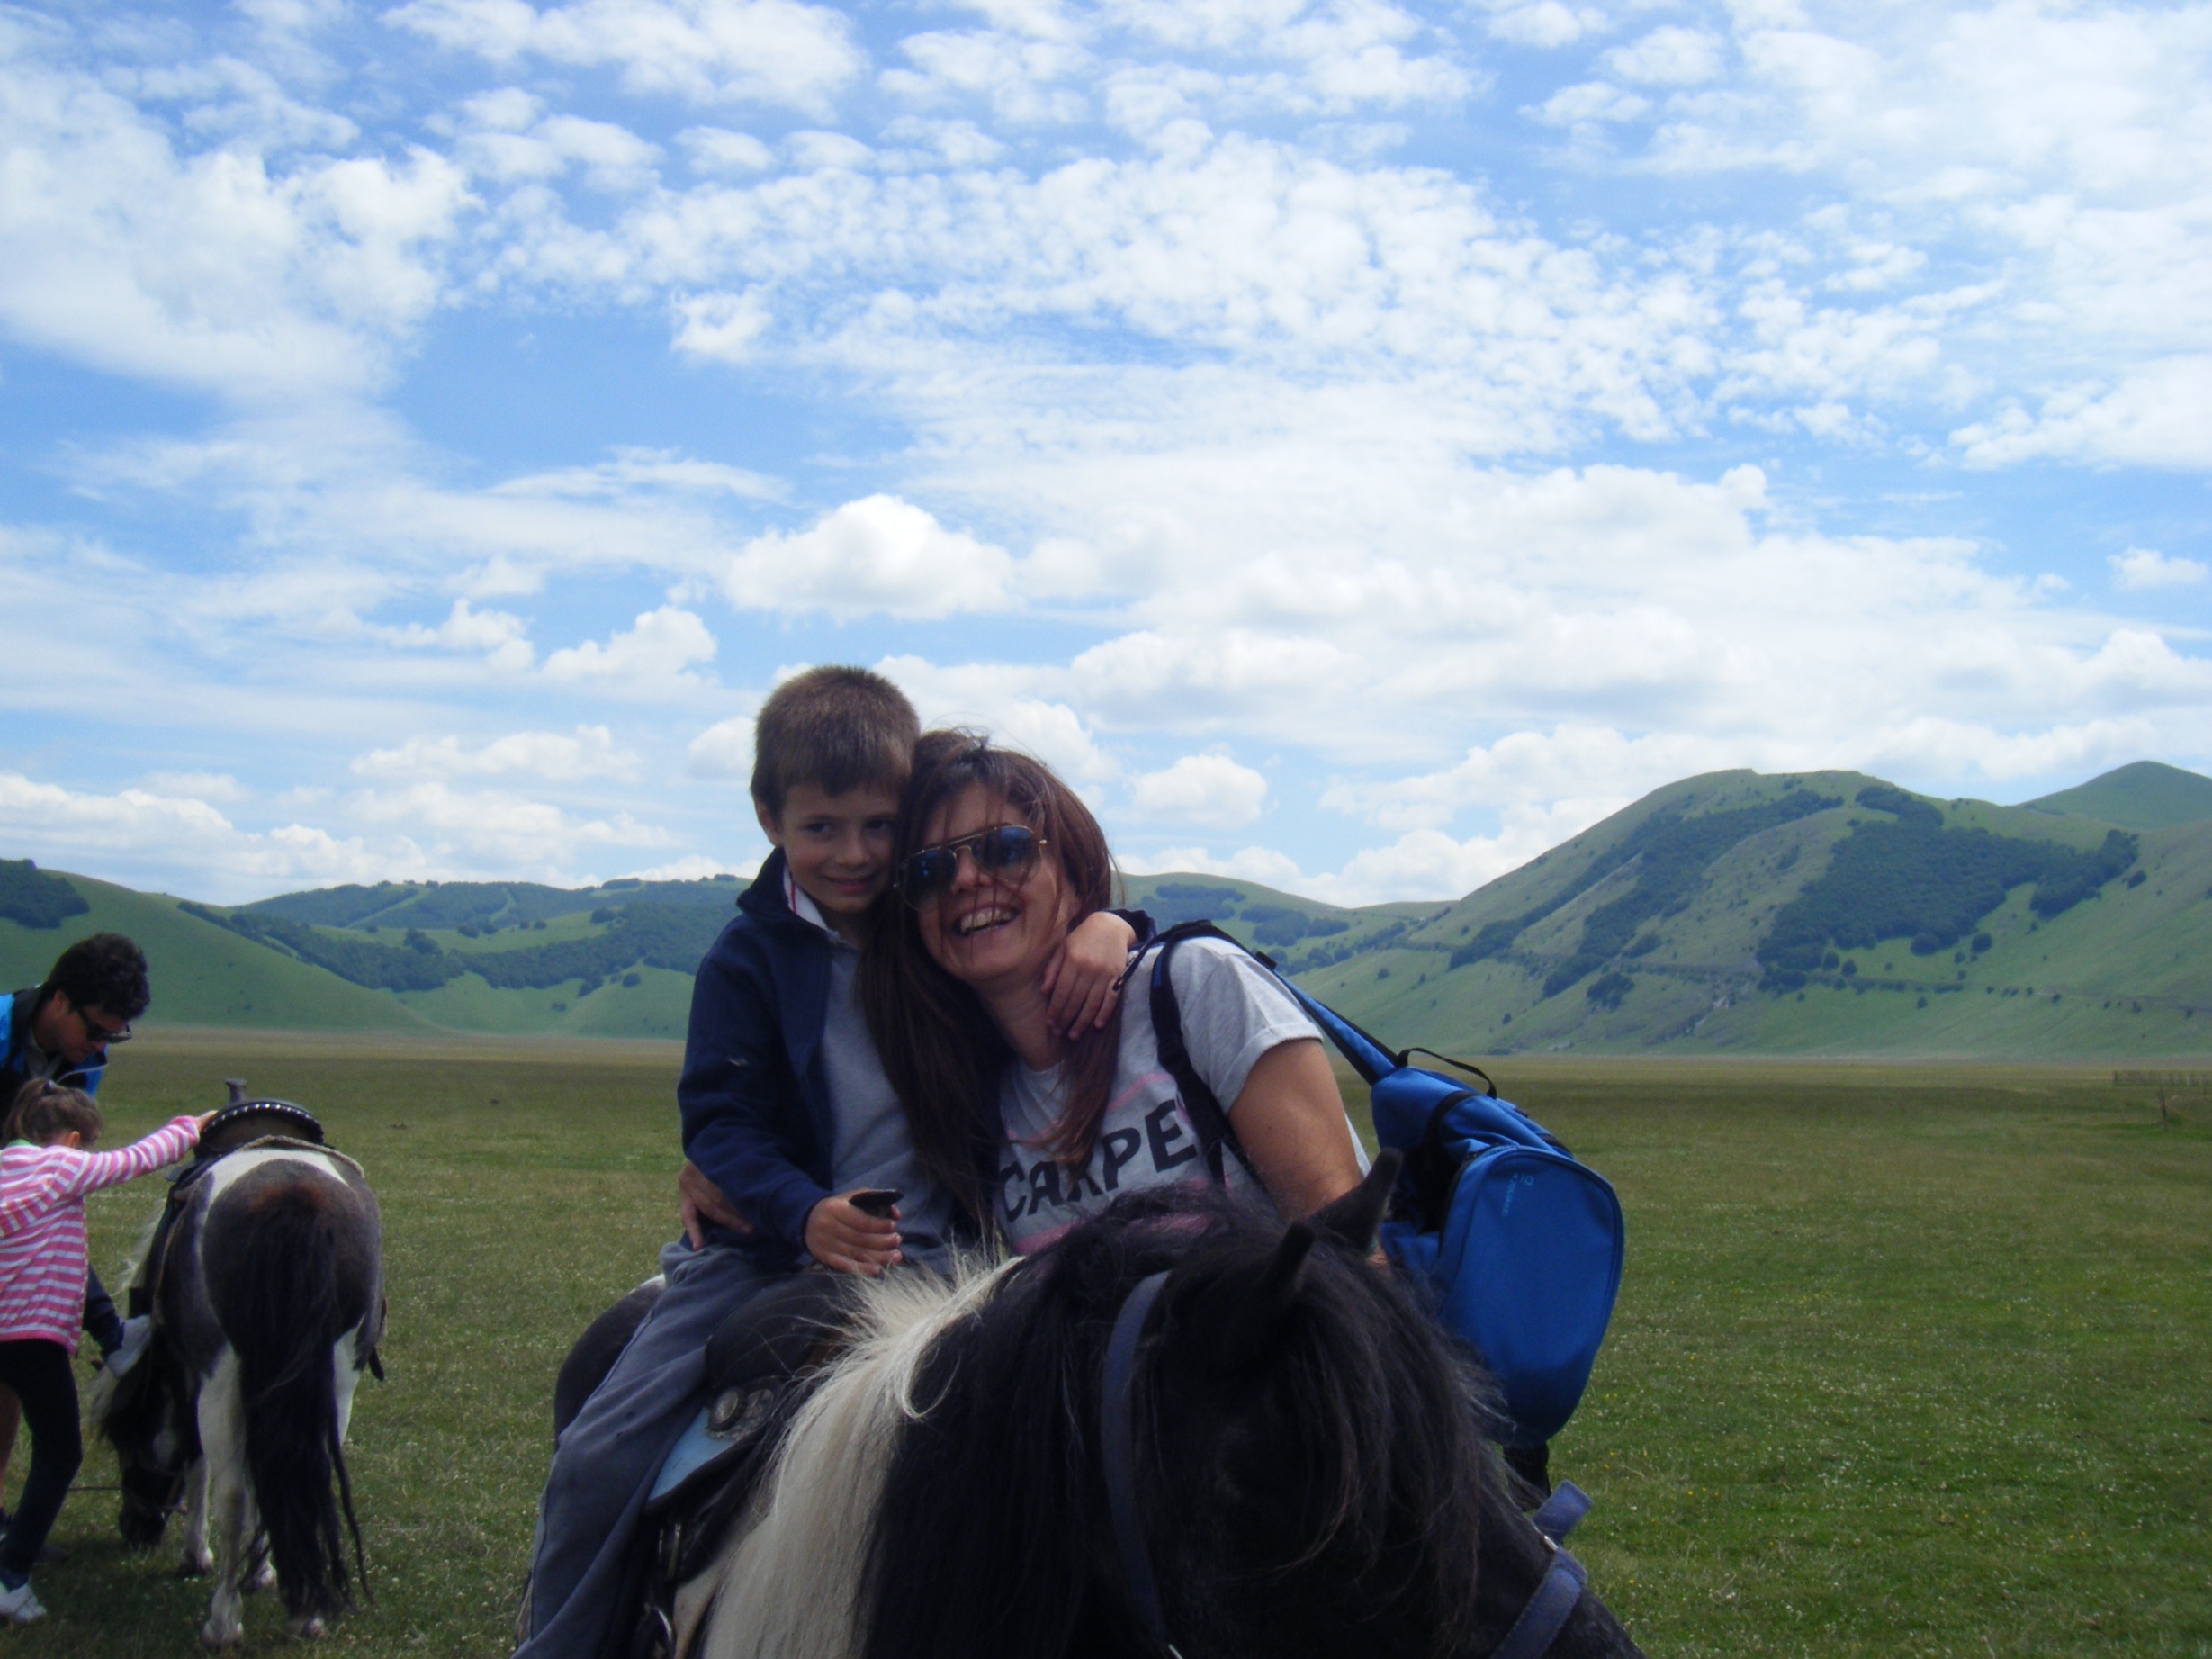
19	1605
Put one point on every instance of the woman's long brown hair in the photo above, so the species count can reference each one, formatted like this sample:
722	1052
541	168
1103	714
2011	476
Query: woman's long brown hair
939	1046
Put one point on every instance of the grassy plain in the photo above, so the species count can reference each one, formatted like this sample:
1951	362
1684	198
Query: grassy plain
1909	1360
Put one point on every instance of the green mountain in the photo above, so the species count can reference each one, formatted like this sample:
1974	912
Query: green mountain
202	975
2141	796
1827	913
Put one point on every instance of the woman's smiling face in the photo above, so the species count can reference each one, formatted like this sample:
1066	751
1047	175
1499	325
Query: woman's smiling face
987	931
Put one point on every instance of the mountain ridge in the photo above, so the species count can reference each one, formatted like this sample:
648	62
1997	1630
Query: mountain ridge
1733	911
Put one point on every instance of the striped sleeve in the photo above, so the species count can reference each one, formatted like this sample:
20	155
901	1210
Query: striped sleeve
165	1145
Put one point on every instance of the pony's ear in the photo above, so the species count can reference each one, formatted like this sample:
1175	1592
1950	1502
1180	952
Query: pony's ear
1252	1328
1355	1217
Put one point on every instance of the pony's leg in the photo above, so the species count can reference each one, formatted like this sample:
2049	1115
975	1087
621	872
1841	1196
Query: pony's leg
197	1560
230	1501
261	1569
345	1378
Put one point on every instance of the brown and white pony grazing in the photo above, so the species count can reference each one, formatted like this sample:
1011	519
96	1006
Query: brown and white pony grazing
265	1283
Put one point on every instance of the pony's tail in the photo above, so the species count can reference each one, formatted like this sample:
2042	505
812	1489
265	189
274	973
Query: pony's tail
292	1322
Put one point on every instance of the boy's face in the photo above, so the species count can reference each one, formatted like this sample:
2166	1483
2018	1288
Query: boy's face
838	846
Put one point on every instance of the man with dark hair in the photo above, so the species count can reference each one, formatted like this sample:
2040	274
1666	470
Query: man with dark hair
61	1032
62	1029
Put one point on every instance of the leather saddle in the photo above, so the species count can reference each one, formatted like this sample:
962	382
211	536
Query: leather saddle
761	1365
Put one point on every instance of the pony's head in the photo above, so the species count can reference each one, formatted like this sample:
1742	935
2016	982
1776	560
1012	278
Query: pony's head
146	1416
1309	1469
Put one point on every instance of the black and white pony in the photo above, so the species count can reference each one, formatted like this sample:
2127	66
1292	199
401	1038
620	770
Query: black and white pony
264	1281
1182	1430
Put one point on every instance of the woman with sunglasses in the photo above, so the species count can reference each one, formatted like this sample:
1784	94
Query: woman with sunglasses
996	860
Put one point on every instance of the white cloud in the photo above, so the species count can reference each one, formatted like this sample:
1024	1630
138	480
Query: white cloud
197	785
2160	415
1211	790
216	271
717	149
634	471
760	51
175	841
1546	24
723	750
1668	57
1525	769
2146	567
876	554
555	757
500	635
695	868
510	140
1261	864
1591	101
654	656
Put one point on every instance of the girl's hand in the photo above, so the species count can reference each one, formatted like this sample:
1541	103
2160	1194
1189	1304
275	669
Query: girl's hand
849	1239
1081	982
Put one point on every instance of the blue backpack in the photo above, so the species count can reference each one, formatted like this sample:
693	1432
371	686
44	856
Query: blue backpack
1519	1242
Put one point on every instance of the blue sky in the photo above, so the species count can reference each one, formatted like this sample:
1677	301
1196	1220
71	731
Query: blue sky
1360	444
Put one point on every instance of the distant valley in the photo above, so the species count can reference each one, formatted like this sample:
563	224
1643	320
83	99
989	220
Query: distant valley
1826	913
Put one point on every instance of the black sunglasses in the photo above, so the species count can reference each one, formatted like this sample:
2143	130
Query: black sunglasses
1007	852
101	1035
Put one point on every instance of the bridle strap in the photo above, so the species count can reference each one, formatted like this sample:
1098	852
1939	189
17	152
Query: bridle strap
1118	1452
1547	1612
1560	1589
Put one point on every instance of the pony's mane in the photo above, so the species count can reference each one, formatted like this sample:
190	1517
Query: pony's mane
792	1589
1315	1478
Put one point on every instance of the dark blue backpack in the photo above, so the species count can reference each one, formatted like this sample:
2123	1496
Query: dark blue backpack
1519	1241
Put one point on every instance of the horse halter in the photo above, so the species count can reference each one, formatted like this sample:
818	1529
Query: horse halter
1541	1619
1117	1451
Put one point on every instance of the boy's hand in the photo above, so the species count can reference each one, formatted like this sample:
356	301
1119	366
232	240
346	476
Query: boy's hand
204	1119
1081	982
841	1236
702	1205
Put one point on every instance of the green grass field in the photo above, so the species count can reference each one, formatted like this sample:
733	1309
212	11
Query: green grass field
1908	1360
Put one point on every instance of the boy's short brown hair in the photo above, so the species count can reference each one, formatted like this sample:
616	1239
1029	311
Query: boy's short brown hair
836	728
43	1110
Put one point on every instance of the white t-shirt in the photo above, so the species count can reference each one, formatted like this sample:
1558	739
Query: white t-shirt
1233	1011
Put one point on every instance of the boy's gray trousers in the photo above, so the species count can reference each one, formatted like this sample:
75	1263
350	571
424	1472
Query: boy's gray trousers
604	1466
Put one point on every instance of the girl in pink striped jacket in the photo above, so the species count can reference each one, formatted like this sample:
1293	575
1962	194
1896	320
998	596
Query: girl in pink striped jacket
45	1171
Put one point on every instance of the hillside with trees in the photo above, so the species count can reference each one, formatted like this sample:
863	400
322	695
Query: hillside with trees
1822	912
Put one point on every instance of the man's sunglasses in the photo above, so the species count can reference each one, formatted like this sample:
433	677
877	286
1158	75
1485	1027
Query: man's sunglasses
1006	851
102	1034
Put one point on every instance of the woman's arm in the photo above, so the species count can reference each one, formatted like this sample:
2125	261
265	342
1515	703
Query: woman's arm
1291	1119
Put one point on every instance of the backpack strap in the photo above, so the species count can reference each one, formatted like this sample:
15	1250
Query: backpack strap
1215	1133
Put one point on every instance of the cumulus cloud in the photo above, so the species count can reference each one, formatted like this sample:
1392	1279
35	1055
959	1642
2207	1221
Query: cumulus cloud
213	270
1209	789
876	554
723	750
653	656
173	840
500	635
2146	567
